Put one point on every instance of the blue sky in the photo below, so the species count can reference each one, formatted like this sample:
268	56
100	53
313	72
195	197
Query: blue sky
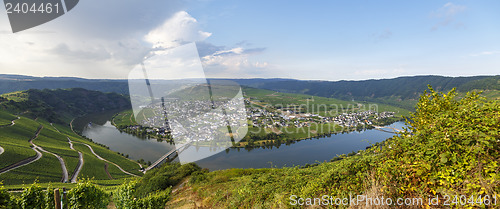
320	40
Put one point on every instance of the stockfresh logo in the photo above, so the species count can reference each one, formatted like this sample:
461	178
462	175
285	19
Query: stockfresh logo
25	14
171	94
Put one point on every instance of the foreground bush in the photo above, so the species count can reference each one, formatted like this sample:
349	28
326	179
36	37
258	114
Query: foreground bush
451	147
4	197
125	197
87	195
168	175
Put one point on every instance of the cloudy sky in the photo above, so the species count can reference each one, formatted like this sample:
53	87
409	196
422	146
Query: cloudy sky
320	40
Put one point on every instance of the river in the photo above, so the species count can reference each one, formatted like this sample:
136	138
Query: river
299	153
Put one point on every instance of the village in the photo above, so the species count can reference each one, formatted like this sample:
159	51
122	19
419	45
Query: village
197	121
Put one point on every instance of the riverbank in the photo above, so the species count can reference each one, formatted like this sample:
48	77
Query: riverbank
256	136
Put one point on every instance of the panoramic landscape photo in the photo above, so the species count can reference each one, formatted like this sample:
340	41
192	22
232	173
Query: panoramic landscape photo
229	104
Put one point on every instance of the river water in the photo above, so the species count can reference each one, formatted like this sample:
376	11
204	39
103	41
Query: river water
299	153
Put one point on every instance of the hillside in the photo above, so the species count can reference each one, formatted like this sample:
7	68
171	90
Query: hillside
448	156
61	105
12	83
36	141
401	92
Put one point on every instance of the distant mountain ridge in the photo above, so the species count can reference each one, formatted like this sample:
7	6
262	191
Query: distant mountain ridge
390	91
11	83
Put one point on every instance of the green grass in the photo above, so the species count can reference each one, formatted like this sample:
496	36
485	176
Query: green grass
127	164
92	167
46	169
108	185
55	142
14	140
6	118
17	96
314	104
124	118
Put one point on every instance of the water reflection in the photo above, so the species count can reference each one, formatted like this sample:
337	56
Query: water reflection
295	153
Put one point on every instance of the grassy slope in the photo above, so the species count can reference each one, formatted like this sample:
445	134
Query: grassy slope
127	164
452	150
6	118
319	105
46	169
14	139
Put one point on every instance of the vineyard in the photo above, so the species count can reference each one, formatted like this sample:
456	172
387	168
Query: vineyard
55	138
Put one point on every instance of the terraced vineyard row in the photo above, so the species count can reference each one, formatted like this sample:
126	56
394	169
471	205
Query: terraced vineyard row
64	156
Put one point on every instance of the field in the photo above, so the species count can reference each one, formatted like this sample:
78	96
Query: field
54	138
323	106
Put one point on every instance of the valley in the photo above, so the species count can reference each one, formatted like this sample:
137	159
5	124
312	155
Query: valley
335	139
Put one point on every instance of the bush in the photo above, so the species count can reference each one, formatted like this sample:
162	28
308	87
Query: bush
126	198
198	177
4	197
87	195
164	177
32	197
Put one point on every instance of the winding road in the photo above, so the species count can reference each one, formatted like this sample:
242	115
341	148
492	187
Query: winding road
74	175
26	161
100	158
61	160
13	122
78	168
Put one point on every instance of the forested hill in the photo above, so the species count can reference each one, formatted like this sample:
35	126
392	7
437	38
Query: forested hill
61	105
11	83
405	87
401	92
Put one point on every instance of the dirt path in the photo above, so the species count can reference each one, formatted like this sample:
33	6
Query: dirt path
100	158
78	168
107	171
27	160
61	160
12	123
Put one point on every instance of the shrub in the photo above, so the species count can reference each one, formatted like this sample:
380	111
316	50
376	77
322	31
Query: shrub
164	177
126	198
4	197
87	195
32	197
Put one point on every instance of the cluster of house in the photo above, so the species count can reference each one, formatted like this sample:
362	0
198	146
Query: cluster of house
286	118
192	120
195	120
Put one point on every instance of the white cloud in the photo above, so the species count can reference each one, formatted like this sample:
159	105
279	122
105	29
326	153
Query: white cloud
234	62
180	29
218	61
89	41
447	15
